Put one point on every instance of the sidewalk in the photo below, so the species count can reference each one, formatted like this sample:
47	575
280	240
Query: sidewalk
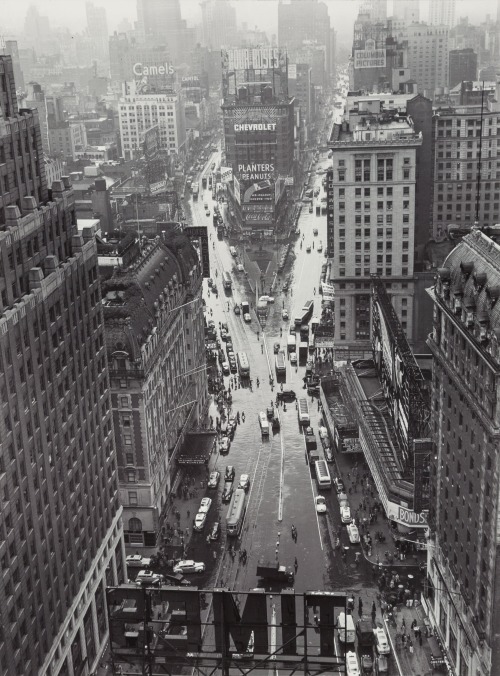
418	662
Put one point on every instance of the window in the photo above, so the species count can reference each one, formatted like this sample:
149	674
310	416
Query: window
130	476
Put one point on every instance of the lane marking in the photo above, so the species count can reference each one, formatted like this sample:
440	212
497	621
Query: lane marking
312	491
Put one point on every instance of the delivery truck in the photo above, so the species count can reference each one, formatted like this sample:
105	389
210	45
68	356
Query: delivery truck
269	570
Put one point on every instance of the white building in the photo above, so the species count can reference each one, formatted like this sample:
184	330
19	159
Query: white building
371	216
442	13
428	56
138	112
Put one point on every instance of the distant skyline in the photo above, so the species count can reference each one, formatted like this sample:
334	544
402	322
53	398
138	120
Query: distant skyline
71	13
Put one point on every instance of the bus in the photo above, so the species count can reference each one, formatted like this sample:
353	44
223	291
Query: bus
322	474
280	363
264	424
303	412
291	344
226	280
236	513
311	344
307	311
243	365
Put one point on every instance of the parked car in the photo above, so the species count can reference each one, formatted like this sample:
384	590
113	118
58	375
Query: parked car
284	314
200	520
339	484
215	532
213	480
227	492
237	310
189	566
224	445
244	482
247	317
138	561
276	348
226	368
320	503
233	366
293	358
240	267
230	473
205	505
308	249
315	231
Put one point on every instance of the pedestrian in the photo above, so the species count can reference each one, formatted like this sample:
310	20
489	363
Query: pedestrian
214	555
411	648
420	638
360	607
374	607
188	514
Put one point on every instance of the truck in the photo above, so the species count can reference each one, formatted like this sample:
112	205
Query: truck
310	437
195	190
312	456
204	182
245	307
302	351
280	363
220	232
364	634
290	343
269	570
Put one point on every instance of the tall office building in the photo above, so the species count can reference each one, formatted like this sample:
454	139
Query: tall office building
428	57
466	148
375	9
407	11
61	538
463	591
463	66
304	21
12	49
442	13
97	28
218	23
160	22
371	215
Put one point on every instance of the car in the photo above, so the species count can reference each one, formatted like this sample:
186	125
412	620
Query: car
147	577
240	267
189	566
315	231
286	395
247	317
231	424
224	327
320	503
293	358
223	335
213	480
233	366
284	315
226	368
230	473
227	492
244	482
200	520
205	505
339	484
205	205
134	560
224	445
276	348
237	310
210	283
353	533
215	532
308	249
207	212
345	514
320	248
328	454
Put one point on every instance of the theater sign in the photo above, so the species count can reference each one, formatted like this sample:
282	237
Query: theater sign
406	517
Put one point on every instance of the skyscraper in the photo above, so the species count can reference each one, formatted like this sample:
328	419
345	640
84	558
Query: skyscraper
407	10
160	22
61	538
428	56
442	13
97	27
219	24
463	590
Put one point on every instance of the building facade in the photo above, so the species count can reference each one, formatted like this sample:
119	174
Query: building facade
463	66
407	11
371	222
442	13
258	118
139	112
218	18
463	589
61	539
66	138
466	148
155	341
428	57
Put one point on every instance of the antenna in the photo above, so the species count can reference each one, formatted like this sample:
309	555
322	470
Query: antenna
479	161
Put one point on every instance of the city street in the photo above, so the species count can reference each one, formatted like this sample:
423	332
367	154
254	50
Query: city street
283	488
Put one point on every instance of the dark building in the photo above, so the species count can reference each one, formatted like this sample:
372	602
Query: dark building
462	594
420	110
61	537
463	66
259	135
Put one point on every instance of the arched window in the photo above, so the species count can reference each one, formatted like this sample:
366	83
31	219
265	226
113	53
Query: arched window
135	525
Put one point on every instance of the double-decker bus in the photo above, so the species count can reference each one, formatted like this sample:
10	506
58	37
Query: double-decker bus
243	365
236	513
227	281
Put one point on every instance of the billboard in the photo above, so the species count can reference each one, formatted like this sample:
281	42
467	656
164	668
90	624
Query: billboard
369	57
261	58
237	189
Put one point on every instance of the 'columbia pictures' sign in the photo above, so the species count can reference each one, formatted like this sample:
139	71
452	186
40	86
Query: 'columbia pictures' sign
369	57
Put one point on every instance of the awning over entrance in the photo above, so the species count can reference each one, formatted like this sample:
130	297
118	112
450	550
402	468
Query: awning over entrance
197	448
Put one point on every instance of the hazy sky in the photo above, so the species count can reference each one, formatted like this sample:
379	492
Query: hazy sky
263	13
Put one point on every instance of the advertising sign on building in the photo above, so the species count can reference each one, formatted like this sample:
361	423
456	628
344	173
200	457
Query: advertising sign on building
261	58
259	192
226	174
237	190
405	516
369	57
158	187
292	71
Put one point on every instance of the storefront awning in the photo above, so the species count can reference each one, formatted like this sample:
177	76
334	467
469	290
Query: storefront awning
196	448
